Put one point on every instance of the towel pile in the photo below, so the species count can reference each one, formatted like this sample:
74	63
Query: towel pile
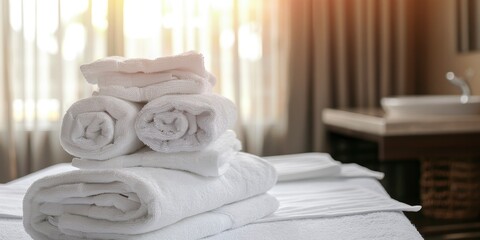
157	159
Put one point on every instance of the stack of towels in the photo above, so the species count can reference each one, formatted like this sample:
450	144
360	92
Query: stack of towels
157	159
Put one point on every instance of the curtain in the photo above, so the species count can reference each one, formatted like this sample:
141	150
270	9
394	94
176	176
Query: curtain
281	61
346	53
43	44
45	41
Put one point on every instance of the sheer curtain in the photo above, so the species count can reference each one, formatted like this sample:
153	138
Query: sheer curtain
43	44
45	41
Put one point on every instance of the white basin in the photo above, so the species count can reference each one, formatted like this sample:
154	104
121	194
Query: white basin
436	105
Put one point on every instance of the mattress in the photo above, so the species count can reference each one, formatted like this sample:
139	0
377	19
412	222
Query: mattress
362	225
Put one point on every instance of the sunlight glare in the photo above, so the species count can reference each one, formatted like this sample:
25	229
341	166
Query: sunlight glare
74	41
140	16
71	9
47	25
15	15
99	14
249	42
227	39
221	5
29	20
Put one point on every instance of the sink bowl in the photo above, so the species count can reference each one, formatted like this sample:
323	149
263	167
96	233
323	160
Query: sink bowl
436	105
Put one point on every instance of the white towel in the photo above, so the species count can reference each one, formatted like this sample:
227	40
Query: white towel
304	165
175	123
230	216
214	160
142	80
100	128
136	200
300	166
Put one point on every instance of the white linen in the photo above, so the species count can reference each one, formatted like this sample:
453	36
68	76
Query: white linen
304	165
175	123
137	200
9	199
212	161
292	167
100	128
378	225
353	170
230	216
374	226
302	200
371	226
142	80
188	62
12	193
384	224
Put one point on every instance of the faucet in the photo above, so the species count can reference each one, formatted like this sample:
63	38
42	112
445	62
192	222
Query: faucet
462	84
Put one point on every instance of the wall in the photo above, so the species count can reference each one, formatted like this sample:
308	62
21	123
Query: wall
441	53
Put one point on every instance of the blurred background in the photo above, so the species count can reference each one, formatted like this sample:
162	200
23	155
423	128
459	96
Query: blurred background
281	61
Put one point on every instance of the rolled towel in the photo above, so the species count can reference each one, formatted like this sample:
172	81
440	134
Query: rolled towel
175	123
133	201
142	80
100	128
212	161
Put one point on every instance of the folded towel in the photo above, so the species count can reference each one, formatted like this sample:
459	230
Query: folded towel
187	62
320	200
304	165
205	224
136	200
142	80
175	123
213	160
100	128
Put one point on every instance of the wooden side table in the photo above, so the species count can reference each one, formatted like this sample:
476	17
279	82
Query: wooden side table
454	137
410	138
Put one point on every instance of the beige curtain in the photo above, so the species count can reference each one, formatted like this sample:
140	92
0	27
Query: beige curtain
346	53
45	41
281	61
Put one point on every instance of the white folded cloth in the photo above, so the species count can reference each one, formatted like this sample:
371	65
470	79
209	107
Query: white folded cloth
142	80
175	123
205	224
100	128
307	200
304	165
212	161
301	166
133	201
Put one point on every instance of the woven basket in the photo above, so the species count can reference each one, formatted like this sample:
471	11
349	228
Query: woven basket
450	188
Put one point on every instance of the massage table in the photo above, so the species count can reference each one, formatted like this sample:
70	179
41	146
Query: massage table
368	225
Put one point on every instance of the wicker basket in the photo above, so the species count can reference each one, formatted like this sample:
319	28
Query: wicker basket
450	188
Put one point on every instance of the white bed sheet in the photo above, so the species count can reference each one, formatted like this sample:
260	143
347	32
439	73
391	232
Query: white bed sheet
374	225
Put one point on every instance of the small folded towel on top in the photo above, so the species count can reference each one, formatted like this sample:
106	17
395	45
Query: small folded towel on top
132	201
100	128
175	123
304	165
212	161
142	80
